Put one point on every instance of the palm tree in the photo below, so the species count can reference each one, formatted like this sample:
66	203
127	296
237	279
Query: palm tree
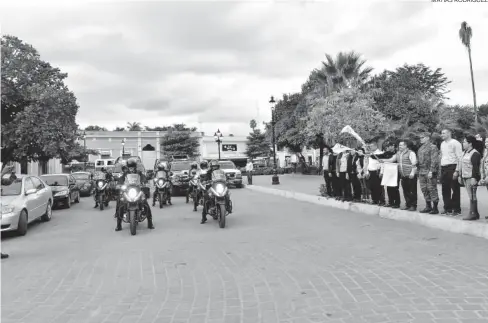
134	126
253	124
465	34
346	70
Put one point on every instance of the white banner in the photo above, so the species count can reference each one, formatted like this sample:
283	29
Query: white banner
390	175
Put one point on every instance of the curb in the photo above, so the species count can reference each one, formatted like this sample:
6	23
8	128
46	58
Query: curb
476	229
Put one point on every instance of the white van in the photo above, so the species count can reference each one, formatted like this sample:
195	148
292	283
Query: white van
109	164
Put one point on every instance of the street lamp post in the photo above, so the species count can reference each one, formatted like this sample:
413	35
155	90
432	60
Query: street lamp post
84	151
217	137
123	147
275	180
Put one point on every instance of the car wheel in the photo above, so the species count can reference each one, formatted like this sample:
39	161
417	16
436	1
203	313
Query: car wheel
23	222
49	211
68	201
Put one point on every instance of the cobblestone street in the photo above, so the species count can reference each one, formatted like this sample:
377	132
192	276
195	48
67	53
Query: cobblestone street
278	260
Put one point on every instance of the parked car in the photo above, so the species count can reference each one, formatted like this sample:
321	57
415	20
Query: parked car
84	182
64	188
179	175
24	199
234	175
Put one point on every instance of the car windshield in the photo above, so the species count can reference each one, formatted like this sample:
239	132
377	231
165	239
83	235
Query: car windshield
228	165
55	180
81	177
11	187
177	167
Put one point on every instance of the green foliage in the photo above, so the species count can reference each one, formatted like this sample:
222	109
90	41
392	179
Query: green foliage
346	107
257	145
119	129
179	141
411	93
78	152
95	128
134	126
38	110
253	124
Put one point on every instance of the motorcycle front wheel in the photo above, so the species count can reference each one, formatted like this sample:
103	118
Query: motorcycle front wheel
133	222
221	215
101	201
161	200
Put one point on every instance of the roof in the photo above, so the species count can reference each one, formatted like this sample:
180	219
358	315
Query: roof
61	174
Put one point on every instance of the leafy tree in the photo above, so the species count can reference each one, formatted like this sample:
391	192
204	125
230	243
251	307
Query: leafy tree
465	34
179	141
38	110
165	128
410	94
253	124
95	128
346	107
257	145
119	129
134	126
78	152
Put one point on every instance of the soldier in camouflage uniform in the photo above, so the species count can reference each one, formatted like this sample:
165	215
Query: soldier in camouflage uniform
428	158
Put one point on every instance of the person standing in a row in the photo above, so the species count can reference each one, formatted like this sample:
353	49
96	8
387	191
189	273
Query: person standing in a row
327	178
343	169
469	170
428	157
392	191
407	168
372	174
451	154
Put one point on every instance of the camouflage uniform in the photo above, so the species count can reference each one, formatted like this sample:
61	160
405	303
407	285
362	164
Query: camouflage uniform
428	157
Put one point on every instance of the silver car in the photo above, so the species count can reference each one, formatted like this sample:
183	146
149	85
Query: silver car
25	198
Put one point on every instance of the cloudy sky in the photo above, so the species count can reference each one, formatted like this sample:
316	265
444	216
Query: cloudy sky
214	64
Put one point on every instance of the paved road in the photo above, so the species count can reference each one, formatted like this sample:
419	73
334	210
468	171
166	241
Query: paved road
310	184
279	260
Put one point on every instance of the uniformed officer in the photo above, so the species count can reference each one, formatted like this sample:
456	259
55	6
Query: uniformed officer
428	159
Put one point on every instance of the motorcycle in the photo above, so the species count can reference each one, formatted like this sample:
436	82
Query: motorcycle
133	202
103	193
162	188
192	183
217	202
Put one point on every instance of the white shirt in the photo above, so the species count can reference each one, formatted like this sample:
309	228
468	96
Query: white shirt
451	152
373	163
249	167
325	162
293	158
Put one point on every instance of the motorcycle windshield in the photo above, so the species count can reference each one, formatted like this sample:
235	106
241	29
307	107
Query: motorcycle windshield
99	176
218	176
161	174
132	179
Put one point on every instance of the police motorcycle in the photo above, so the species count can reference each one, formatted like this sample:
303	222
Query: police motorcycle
161	186
133	202
217	202
103	191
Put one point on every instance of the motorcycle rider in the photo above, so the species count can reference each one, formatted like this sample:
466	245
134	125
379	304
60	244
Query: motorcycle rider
193	168
163	167
132	169
214	165
109	178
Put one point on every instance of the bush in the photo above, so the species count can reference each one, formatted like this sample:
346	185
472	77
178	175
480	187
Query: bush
323	190
266	171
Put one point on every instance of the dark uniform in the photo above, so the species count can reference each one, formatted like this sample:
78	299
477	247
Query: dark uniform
214	165
428	161
132	169
392	191
163	167
109	178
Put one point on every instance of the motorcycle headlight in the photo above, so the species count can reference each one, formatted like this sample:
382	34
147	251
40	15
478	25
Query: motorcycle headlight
132	193
160	182
219	188
100	184
124	187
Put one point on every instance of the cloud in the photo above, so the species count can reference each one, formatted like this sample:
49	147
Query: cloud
215	64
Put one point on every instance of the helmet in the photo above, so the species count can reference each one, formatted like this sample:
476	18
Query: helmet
214	164
203	164
104	169
194	165
132	163
162	166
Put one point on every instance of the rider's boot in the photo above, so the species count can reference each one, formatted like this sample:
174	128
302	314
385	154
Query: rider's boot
169	200
150	224
119	224
154	199
204	216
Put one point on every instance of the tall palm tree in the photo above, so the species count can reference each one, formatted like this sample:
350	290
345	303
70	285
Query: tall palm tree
465	34
134	126
346	70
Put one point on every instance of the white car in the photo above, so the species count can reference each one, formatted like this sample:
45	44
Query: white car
234	176
25	198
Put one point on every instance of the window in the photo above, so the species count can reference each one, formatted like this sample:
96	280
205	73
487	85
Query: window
28	185
55	180
37	183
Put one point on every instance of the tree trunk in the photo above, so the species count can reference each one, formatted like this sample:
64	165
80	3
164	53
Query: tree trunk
472	85
303	162
321	156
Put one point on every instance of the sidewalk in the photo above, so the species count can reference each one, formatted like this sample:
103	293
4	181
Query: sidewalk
306	188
